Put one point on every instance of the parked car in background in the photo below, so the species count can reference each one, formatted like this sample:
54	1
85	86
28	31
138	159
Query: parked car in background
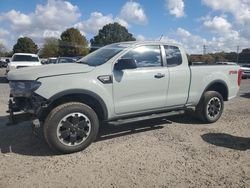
78	57
226	63
44	61
21	60
4	63
65	60
198	63
245	71
52	60
7	61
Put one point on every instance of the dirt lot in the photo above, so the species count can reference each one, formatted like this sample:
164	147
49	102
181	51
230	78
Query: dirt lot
180	152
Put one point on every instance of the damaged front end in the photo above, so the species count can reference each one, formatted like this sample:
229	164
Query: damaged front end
24	103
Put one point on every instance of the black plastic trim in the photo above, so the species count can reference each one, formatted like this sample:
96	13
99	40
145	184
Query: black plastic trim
109	81
81	91
146	113
214	82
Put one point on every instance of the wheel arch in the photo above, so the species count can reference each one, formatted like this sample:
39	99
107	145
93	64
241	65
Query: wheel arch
77	95
220	86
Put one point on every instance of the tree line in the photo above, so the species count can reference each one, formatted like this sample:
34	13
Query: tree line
73	43
243	57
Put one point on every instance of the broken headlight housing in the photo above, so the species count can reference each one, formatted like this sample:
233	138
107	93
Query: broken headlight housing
23	88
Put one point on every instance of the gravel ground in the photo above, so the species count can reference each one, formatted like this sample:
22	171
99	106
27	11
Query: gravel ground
174	152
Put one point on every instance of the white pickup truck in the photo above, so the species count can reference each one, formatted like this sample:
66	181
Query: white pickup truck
123	81
21	60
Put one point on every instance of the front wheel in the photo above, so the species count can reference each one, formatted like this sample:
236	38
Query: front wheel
71	127
210	107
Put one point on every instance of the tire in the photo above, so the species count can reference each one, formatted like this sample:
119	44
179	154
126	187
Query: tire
210	107
71	127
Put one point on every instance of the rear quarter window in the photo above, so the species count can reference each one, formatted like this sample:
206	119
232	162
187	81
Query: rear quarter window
173	56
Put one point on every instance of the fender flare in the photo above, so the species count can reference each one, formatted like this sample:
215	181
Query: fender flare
83	92
214	82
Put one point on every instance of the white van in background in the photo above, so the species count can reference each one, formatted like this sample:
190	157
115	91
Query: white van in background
21	60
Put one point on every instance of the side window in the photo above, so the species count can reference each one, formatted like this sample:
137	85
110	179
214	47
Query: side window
173	55
145	56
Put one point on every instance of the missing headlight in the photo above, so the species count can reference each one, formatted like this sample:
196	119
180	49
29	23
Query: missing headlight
23	88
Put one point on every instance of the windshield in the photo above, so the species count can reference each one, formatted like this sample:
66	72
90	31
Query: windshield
102	55
24	58
247	66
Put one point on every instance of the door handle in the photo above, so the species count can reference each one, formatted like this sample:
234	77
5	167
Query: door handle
159	75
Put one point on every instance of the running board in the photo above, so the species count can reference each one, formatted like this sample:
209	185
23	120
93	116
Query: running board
142	118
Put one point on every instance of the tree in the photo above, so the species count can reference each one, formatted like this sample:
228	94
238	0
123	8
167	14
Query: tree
50	48
109	34
244	56
73	43
195	58
232	56
208	58
2	49
219	57
25	45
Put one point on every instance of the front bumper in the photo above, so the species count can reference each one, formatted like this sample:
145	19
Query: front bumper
22	117
17	115
22	109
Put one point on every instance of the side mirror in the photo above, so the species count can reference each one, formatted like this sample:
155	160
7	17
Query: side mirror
125	64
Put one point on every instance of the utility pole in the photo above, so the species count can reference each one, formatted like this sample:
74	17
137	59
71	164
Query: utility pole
238	49
204	49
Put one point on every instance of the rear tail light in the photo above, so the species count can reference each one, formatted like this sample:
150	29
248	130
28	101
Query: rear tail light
239	76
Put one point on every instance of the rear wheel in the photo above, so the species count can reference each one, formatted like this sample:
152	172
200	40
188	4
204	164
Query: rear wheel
210	107
71	127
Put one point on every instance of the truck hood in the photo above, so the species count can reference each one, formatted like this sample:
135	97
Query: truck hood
33	73
24	63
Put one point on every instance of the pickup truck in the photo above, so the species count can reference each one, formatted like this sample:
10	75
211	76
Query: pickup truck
123	81
21	60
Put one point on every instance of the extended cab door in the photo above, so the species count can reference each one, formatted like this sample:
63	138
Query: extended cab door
179	76
143	88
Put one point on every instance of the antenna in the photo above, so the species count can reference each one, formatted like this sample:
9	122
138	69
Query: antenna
161	37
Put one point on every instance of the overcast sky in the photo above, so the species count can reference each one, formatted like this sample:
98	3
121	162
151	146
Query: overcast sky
218	24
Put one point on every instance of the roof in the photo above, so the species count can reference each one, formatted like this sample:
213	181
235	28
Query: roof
147	42
29	54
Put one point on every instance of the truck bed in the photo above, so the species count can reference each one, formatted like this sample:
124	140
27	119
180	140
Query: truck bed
201	75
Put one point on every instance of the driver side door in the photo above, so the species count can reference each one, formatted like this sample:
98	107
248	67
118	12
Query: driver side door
143	88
